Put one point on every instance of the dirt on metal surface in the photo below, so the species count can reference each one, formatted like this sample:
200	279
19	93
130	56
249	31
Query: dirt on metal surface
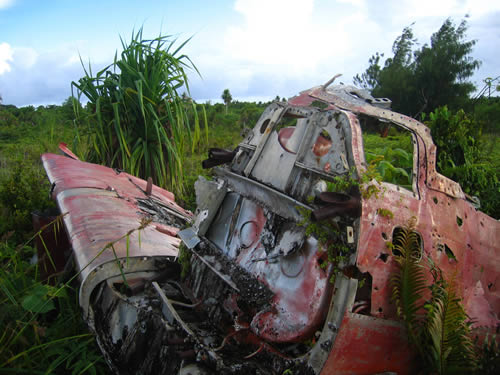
262	293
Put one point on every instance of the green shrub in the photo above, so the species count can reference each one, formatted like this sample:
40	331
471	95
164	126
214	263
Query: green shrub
8	119
25	190
487	113
41	328
457	138
393	165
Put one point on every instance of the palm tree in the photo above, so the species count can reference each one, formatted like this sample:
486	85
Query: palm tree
226	96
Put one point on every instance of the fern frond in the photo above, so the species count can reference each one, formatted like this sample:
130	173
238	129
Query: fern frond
409	283
451	347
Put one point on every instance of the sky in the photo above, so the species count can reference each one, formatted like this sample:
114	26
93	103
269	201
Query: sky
256	48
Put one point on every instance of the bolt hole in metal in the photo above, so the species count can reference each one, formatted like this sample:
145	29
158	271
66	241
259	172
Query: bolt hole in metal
383	257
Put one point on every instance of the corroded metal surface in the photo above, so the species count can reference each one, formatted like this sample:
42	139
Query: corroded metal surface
101	206
368	345
261	295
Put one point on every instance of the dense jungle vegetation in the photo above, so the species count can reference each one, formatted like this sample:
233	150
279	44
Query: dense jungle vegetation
40	327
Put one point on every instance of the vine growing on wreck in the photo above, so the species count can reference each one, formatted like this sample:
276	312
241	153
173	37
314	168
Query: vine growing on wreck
138	122
343	183
327	232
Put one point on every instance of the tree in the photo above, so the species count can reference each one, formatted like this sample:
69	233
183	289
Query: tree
370	78
442	69
226	96
430	77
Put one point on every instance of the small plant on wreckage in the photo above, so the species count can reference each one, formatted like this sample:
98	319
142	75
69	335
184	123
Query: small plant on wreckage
384	212
327	232
184	259
366	183
330	239
370	179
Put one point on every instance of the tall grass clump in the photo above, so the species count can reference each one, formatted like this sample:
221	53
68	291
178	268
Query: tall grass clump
135	118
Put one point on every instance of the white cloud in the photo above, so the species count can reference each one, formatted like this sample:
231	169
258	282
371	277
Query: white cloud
73	59
6	53
430	8
443	8
281	47
6	3
39	76
272	33
264	48
357	3
24	57
479	8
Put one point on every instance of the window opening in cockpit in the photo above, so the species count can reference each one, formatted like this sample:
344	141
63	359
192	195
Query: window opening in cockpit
390	149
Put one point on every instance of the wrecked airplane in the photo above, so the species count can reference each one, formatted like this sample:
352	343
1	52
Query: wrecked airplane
257	291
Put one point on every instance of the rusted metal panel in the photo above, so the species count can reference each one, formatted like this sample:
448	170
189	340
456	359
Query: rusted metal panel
300	286
100	207
66	173
368	345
